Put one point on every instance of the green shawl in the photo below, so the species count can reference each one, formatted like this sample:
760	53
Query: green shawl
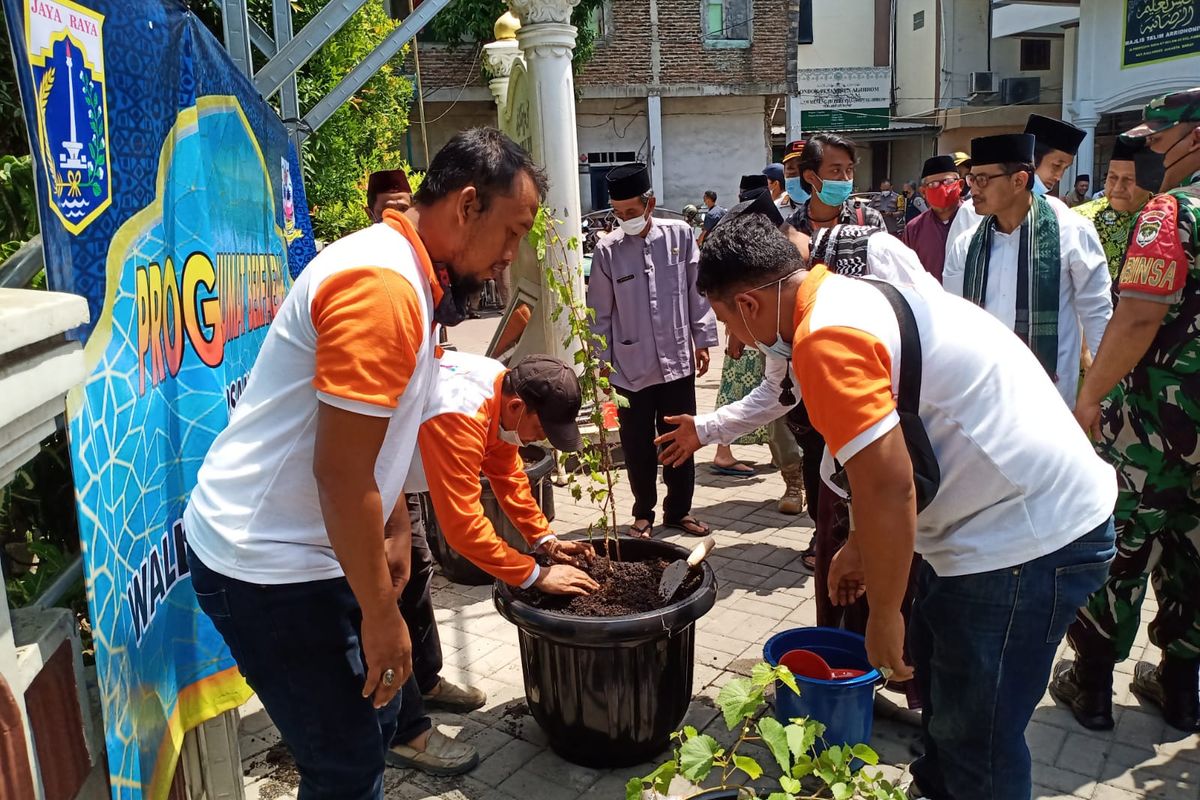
1039	271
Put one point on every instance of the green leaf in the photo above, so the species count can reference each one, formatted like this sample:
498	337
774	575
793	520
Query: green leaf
738	700
780	796
689	731
800	739
787	678
842	791
749	766
696	757
633	789
661	778
789	784
775	738
865	754
762	675
803	767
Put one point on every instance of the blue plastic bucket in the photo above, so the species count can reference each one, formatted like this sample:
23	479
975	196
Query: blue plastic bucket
845	707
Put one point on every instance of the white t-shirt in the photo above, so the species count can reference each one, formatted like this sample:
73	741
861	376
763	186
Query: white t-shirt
1019	479
355	333
1085	287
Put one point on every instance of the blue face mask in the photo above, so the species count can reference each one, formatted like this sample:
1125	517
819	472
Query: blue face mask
780	348
834	193
1039	188
795	189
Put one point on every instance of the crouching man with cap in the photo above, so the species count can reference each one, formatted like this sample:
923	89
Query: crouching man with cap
1015	533
478	417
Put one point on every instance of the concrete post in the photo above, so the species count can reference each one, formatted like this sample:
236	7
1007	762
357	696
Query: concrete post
547	39
655	156
499	57
1085	160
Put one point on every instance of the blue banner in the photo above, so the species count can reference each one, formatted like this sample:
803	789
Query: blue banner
170	198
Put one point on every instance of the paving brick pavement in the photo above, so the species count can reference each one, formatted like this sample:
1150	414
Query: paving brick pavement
761	592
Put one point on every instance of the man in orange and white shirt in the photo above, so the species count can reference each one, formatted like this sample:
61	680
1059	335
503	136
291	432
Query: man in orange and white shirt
297	528
1017	535
477	418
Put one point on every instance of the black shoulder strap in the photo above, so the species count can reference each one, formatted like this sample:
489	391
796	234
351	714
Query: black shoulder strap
910	347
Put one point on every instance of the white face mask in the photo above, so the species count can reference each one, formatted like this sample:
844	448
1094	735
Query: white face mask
635	226
512	437
780	348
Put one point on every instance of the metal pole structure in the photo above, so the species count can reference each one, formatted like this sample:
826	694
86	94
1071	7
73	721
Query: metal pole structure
261	39
323	110
237	34
289	97
416	51
293	55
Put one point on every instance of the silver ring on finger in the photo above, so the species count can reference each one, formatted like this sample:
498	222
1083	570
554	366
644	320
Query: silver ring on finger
389	677
887	673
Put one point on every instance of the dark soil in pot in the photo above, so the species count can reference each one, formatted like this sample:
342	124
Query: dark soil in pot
626	587
609	690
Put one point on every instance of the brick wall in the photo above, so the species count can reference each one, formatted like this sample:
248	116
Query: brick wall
624	57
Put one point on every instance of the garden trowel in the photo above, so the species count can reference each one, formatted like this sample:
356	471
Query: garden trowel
676	573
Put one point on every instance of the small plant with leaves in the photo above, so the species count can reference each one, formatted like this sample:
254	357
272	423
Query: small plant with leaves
807	771
594	461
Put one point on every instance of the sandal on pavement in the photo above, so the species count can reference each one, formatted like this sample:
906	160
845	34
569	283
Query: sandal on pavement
641	531
808	559
736	470
689	525
447	696
442	756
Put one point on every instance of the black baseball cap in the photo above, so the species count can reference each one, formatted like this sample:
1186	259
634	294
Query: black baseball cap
551	390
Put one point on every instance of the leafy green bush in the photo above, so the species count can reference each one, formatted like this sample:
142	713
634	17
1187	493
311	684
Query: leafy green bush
18	204
804	773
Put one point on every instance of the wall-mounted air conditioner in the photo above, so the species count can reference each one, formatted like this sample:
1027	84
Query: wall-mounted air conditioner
983	83
1018	91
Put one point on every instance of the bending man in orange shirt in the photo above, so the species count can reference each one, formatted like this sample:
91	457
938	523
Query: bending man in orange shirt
475	421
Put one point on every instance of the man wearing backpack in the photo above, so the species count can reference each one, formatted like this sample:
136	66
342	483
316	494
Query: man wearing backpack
1015	522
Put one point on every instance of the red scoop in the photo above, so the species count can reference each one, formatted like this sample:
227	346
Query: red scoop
808	664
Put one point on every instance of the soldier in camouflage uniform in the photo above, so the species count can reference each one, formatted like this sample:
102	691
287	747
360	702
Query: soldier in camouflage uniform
1149	429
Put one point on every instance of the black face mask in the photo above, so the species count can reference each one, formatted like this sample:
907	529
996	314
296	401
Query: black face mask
1149	168
455	292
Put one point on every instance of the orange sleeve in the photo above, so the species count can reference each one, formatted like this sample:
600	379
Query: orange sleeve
452	452
845	378
505	471
1156	263
369	332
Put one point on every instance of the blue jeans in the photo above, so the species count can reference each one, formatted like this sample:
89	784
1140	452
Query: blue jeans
298	647
982	646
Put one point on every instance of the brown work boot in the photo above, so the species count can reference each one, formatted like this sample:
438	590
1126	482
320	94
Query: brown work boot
447	696
792	501
1172	686
1085	687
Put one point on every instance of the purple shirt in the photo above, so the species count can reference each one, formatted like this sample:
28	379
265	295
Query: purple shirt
926	234
647	308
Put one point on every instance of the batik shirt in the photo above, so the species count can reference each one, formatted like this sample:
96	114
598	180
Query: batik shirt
1114	228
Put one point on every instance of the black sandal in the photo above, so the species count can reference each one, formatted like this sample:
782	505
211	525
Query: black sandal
643	532
682	524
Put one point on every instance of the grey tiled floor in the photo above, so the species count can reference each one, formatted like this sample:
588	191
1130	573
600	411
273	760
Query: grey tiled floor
761	592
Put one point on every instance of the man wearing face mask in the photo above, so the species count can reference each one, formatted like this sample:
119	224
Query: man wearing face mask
777	184
1114	213
478	417
927	233
1149	428
657	330
1036	266
1014	538
1055	145
298	531
793	184
826	169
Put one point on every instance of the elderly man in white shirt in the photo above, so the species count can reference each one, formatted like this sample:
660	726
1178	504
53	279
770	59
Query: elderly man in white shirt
1038	269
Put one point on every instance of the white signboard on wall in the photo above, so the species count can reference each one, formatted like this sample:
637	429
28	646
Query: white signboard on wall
845	87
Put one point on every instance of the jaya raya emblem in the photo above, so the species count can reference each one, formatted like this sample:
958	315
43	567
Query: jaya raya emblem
66	56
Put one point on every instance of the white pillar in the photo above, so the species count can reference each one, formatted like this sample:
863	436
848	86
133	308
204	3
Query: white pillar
498	58
794	129
654	118
1085	116
547	39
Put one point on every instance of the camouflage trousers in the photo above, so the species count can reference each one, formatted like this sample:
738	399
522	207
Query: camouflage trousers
1158	539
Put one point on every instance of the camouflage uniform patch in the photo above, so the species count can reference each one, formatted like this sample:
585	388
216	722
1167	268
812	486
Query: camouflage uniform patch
1151	434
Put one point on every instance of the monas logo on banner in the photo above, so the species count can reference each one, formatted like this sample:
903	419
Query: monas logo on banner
65	47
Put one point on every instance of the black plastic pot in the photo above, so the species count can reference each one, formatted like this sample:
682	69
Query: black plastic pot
609	691
459	569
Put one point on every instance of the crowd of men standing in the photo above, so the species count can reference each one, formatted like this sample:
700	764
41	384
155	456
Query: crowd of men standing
1020	531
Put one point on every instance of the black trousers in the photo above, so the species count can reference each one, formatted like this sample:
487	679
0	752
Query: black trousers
416	606
812	446
641	422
